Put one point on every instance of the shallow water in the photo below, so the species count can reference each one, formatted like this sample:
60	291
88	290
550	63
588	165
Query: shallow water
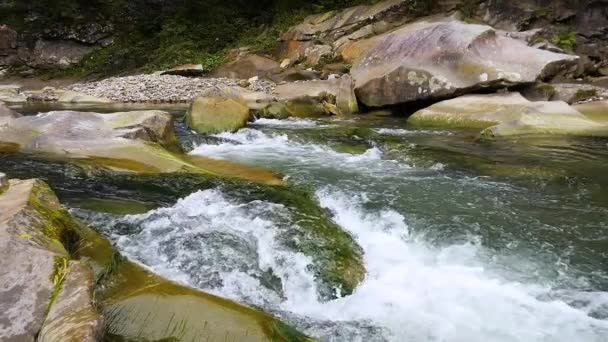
462	241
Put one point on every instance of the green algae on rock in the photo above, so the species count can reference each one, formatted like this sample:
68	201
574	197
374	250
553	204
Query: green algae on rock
507	115
36	236
218	111
139	305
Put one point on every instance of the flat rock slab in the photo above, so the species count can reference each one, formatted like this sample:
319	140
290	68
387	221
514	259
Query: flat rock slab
505	115
133	141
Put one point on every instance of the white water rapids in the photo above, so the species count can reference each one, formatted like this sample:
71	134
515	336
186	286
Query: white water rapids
413	291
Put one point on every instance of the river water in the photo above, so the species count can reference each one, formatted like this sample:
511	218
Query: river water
452	252
462	241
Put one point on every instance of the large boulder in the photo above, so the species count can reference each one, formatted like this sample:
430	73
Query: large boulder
34	267
133	141
504	115
314	98
247	67
435	59
218	110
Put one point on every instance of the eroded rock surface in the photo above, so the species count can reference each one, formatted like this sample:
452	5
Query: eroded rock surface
133	141
430	60
33	229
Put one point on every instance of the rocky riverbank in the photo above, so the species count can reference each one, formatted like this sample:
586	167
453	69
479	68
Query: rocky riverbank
164	88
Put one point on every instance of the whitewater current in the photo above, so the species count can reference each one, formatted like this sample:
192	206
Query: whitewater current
413	290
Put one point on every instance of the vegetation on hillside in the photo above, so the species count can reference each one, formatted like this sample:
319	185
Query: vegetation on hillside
156	34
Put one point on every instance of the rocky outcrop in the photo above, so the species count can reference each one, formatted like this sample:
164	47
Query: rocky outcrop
435	59
581	27
218	110
34	233
46	294
247	67
314	98
310	39
506	115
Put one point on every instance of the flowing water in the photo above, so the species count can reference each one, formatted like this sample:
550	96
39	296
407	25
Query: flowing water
462	241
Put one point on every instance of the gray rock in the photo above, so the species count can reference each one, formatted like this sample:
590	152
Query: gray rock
429	60
508	115
73	316
567	92
27	259
131	141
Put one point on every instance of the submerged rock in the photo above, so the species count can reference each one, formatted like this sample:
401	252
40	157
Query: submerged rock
35	236
429	60
218	111
596	110
502	115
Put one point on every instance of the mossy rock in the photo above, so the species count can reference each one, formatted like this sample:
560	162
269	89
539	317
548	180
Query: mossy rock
217	113
139	305
38	239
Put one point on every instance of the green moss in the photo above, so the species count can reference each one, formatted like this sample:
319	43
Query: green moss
60	270
565	40
546	90
585	93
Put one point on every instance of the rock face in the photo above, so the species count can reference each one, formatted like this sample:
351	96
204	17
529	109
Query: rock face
430	60
504	115
132	141
218	111
247	67
33	264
